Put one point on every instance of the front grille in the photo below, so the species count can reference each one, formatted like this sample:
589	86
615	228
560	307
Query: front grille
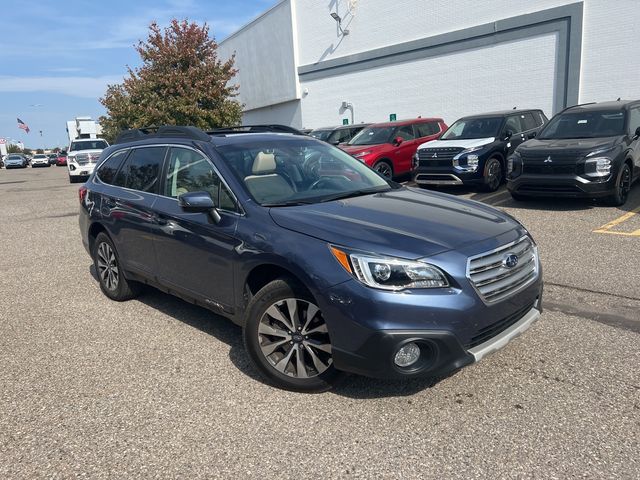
494	280
533	188
487	333
443	156
85	158
549	169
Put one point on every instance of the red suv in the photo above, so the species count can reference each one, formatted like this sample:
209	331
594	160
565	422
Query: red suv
389	147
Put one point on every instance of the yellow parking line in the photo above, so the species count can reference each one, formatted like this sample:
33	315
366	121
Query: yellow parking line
607	227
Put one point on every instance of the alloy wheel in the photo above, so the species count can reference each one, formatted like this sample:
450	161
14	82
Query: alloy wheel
108	266
494	175
294	338
625	184
384	169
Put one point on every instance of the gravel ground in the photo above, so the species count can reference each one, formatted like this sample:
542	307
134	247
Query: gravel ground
156	387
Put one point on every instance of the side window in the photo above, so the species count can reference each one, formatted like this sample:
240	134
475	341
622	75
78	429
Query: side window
427	129
189	171
513	124
634	120
405	132
142	168
529	122
540	118
107	171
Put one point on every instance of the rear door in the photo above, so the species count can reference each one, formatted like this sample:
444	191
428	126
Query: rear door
195	254
127	205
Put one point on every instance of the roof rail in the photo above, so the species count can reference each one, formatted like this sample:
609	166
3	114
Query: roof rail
166	131
272	128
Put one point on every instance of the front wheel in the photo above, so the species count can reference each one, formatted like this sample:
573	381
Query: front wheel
384	168
492	175
287	338
623	186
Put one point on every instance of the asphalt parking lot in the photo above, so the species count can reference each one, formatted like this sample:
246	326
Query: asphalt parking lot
156	387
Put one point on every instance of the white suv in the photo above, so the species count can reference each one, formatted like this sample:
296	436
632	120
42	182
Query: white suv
82	157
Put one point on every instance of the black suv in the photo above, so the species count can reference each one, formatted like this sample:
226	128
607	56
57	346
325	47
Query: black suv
474	150
590	151
337	135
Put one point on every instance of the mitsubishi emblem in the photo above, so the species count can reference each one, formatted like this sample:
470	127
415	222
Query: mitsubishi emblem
548	159
435	155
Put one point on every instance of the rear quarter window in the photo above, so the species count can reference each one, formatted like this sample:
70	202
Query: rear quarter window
107	171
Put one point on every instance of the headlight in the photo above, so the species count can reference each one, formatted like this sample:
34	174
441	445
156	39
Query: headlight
415	160
597	167
468	150
388	273
362	154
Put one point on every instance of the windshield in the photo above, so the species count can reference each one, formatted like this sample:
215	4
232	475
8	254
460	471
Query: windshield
373	136
299	171
587	124
14	157
470	128
40	156
321	134
88	145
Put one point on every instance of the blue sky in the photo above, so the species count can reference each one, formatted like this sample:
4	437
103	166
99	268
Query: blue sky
57	57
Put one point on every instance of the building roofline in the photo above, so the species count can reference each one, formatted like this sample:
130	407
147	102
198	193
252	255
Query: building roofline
252	21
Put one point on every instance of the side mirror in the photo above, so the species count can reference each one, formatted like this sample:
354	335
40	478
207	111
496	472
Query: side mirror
508	134
637	132
199	202
533	134
397	141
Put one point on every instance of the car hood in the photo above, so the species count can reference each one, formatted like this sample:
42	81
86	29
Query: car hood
13	160
76	152
405	222
354	149
462	143
584	145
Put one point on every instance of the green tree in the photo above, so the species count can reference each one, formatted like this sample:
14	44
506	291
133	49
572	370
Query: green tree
13	148
39	150
181	82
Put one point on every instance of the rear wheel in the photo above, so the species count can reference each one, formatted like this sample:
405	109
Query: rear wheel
623	186
492	175
384	168
109	270
287	338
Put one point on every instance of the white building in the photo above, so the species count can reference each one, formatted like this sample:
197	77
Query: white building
83	127
298	65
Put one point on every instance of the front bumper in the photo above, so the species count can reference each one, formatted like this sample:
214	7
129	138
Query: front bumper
570	186
446	176
453	327
76	170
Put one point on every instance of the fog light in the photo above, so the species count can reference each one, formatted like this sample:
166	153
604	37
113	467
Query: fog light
407	355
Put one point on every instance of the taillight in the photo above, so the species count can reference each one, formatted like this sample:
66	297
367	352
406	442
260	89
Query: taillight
82	193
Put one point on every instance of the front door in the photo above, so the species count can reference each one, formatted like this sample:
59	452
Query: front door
195	254
514	125
403	152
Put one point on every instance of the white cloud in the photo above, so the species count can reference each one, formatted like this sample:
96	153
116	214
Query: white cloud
84	87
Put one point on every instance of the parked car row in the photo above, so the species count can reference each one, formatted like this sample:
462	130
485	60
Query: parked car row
328	266
20	160
588	151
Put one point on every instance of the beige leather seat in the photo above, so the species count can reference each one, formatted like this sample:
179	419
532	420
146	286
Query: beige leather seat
264	183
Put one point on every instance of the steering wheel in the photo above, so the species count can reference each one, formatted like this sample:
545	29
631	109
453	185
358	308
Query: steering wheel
319	183
311	164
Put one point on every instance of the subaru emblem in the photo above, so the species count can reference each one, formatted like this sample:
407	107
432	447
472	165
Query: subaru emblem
548	159
510	260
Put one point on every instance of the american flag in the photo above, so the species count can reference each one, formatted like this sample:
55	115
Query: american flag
23	126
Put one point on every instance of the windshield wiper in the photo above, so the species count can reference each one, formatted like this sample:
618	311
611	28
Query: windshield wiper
288	203
354	193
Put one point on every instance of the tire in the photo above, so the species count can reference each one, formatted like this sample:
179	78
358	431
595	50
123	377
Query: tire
492	176
385	168
622	188
110	275
273	341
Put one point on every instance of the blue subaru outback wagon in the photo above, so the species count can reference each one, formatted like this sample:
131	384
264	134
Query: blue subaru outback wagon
327	266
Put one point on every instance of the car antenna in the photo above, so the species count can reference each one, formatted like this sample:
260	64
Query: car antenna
515	108
618	99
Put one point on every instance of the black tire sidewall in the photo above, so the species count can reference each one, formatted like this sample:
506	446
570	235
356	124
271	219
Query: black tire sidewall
387	163
275	291
124	291
485	174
